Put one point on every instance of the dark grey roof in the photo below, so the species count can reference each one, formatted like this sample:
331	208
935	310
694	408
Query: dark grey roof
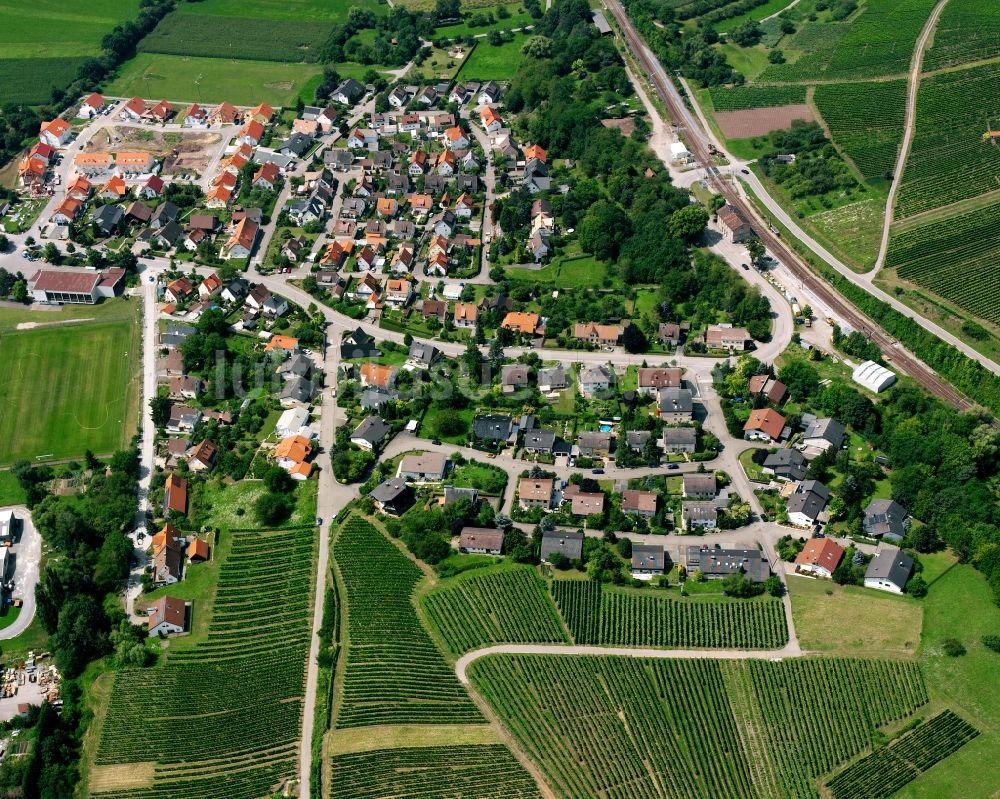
374	398
699	511
700	483
648	557
885	517
372	429
809	499
718	562
108	218
679	435
568	543
297	143
675	400
494	426
829	429
453	493
358	344
552	376
298	365
787	463
636	439
540	439
299	389
890	564
389	490
592	439
165	212
423	353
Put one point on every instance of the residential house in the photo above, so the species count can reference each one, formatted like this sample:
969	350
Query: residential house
700	486
538	244
698	514
91	107
594	444
398	292
175	494
885	519
434	309
568	544
266	177
481	541
293	422
202	457
296	366
636	440
717	563
399	97
393	496
598	335
241	243
166	616
251	133
726	337
292	454
889	570
785	464
374	398
680	440
669	333
56	133
807	503
595	379
552	378
296	145
652	379
422	355
160	111
465	206
584	503
183	419
535	492
648	560
281	344
133	110
377	374
539	441
130	164
67	211
235	290
185	387
455	139
297	391
513	376
819	557
490	93
675	405
358	344
370	433
824	434
197	551
108	218
640	503
114	189
522	322
764	424
774	391
492	427
348	92
424	467
224	114
195	116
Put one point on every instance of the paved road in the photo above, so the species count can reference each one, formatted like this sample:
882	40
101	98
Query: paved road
791	650
27	554
913	85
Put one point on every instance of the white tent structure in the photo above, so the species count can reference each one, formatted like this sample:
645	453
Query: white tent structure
873	376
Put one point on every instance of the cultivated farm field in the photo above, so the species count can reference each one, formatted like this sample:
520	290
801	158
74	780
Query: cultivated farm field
488	607
614	618
302	11
953	256
966	31
949	160
694	729
222	717
70	388
43	44
212	80
394	674
251	38
471	772
866	120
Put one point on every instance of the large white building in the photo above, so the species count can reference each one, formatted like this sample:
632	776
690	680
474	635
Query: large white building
873	376
76	287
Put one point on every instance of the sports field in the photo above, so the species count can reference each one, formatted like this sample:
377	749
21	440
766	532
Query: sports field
212	80
70	388
43	43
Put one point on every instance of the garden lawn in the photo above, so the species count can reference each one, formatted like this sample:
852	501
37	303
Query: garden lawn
518	18
228	502
11	492
212	80
494	63
68	389
868	622
960	606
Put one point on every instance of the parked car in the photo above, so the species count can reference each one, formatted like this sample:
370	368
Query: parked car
672	466
597	471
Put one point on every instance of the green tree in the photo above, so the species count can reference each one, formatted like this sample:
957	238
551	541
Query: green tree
537	47
603	230
801	379
755	249
688	223
160	410
273	509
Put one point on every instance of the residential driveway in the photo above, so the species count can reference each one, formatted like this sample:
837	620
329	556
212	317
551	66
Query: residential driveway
27	553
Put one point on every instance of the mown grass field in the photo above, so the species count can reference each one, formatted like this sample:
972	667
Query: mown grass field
297	10
494	63
212	80
42	44
70	388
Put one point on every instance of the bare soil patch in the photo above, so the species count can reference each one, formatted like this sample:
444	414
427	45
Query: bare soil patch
181	152
625	125
760	121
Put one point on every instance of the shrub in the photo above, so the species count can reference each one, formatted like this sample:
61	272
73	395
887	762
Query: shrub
992	642
953	647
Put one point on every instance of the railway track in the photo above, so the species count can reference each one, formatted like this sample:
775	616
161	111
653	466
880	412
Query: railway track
697	143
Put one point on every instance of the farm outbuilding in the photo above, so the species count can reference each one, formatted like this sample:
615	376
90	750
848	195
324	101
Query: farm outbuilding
873	376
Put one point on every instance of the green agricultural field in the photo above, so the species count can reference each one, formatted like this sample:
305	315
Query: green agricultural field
953	256
485	607
11	492
866	121
393	672
43	44
470	772
966	31
487	62
212	80
251	38
234	698
949	161
565	272
852	232
596	615
767	9
69	388
743	97
694	729
879	42
300	11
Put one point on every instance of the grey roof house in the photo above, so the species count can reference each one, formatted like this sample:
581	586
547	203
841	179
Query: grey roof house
889	570
568	543
885	519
